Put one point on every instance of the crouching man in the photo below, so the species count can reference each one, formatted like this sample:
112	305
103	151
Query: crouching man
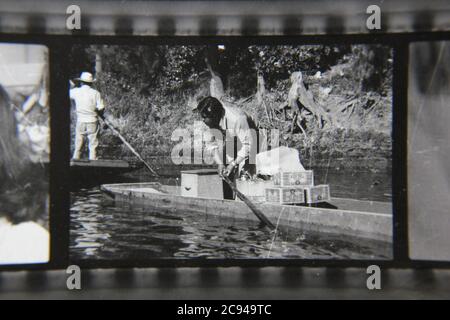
89	107
234	124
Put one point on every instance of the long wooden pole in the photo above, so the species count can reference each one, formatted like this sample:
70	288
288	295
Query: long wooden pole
250	204
117	133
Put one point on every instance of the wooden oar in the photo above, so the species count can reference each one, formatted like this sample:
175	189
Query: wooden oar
250	204
117	133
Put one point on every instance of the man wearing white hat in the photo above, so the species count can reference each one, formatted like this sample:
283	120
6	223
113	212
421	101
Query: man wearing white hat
89	106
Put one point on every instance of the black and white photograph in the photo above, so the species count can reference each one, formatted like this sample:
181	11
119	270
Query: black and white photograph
24	154
231	151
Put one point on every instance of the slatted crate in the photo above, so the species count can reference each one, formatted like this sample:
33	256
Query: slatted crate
283	195
317	194
291	179
254	190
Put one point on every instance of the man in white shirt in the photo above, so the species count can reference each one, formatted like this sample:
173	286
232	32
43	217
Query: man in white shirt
89	106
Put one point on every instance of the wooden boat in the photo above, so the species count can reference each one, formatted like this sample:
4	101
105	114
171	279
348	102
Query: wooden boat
95	172
363	219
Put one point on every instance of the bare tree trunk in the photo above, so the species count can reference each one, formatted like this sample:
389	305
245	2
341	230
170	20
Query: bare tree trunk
294	122
216	84
298	93
98	63
260	96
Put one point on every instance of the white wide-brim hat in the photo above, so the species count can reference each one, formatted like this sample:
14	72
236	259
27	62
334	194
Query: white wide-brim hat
86	77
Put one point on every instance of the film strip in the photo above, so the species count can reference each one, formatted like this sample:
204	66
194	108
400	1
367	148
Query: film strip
228	283
222	18
413	37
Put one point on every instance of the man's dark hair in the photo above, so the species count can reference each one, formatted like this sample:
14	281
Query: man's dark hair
23	185
211	108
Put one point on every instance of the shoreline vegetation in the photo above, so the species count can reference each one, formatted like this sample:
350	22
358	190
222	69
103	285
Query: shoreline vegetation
332	103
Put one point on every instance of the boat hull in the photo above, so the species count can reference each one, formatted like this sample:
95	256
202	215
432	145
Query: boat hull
85	173
363	219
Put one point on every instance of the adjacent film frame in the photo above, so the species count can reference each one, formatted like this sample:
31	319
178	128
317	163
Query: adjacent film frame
59	47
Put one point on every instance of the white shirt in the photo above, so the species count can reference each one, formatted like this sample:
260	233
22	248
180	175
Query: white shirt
27	242
235	124
87	101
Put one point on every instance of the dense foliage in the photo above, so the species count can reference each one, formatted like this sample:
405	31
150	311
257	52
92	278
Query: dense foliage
149	91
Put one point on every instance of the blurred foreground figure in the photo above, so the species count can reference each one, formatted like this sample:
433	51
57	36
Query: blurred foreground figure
23	195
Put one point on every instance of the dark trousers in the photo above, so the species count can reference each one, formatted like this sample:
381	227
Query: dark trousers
248	168
228	193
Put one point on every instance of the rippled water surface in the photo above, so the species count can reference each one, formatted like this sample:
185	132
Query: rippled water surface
102	229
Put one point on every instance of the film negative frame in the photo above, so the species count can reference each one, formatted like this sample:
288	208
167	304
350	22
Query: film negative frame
59	47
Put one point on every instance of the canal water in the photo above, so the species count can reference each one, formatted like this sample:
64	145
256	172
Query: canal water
102	229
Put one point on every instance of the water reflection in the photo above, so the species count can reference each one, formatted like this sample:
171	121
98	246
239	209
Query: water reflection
101	229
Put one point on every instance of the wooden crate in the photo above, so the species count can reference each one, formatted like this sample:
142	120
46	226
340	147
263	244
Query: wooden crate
254	190
282	195
204	183
291	179
316	194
